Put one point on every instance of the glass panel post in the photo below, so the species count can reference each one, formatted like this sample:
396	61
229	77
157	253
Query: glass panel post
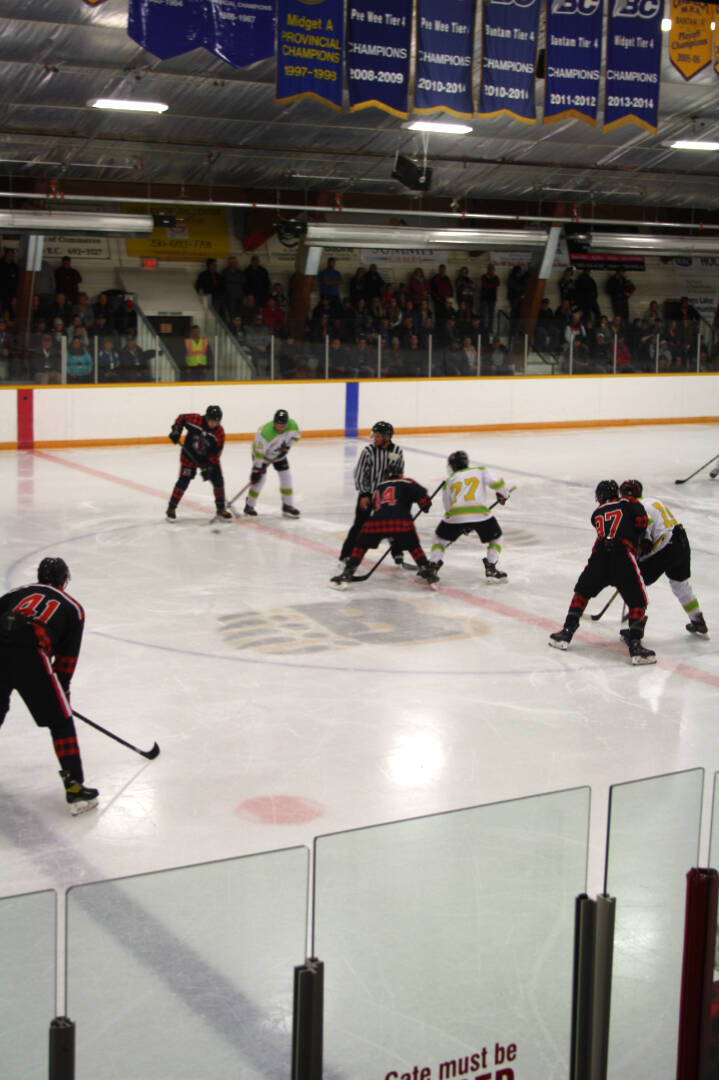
614	355
479	355
94	356
571	354
430	343
327	357
63	359
28	947
379	356
272	357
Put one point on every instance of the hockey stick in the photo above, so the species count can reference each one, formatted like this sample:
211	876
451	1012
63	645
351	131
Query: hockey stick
363	577
697	471
240	492
611	600
150	754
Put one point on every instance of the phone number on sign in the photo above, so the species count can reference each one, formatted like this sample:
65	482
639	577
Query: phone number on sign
376	76
616	102
442	87
297	71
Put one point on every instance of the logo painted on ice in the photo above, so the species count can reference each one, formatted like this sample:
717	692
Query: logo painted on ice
575	7
633	9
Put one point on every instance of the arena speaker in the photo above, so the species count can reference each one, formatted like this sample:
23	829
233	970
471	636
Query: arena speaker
413	176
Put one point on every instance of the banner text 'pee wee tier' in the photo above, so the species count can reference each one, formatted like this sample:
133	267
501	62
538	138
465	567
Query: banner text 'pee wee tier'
634	46
378	42
509	56
310	45
240	32
574	50
445	35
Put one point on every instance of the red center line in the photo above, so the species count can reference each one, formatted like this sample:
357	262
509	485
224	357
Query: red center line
516	614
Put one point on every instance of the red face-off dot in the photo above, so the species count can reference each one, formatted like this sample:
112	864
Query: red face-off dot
280	809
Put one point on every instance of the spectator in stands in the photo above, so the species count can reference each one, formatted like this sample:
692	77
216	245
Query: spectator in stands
76	329
102	309
419	288
57	332
108	361
273	317
464	288
453	360
79	362
100	328
279	296
576	348
687	310
644	346
364	360
619	289
463	318
544	329
45	285
357	285
602	345
624	356
7	350
329	280
665	355
249	310
585	295
237	329
258	342
495	360
415	361
232	282
652	315
373	283
488	285
517	282
61	308
470	356
257	282
83	308
9	279
287	358
198	356
67	279
209	283
441	291
45	361
134	363
566	286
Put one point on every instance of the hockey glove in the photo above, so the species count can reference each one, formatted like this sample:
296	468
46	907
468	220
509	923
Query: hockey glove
425	505
257	472
502	499
174	435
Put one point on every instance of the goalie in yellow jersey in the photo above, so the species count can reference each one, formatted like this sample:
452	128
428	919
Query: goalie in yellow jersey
665	549
469	494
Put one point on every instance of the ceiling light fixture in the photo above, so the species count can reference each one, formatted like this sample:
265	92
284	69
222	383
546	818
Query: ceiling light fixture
125	105
634	243
442	127
693	144
384	236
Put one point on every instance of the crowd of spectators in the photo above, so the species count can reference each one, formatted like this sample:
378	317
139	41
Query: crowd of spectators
664	337
60	311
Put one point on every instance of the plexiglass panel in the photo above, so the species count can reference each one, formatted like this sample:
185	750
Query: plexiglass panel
653	841
447	941
27	983
188	973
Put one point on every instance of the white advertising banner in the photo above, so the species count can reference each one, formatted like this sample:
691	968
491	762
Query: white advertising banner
77	247
697	278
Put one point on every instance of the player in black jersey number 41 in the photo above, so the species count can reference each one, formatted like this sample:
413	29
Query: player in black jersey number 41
40	636
620	524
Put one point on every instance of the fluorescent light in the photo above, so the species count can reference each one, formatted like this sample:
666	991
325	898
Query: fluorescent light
654	245
441	126
408	238
666	25
694	144
124	105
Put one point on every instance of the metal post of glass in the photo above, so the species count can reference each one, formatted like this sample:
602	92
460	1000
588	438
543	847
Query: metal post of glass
63	359
429	350
327	356
614	355
94	355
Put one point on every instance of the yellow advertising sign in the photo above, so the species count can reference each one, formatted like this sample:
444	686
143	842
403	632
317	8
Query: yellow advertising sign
200	232
690	38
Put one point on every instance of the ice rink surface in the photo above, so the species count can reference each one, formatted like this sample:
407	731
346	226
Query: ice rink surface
285	709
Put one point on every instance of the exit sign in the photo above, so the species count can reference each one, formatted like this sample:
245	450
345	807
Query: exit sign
149	263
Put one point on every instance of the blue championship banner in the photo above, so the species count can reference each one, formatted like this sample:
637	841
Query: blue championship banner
242	31
378	37
445	37
509	57
168	27
574	52
310	43
634	46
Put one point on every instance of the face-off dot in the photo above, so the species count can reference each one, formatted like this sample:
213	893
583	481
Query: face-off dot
280	809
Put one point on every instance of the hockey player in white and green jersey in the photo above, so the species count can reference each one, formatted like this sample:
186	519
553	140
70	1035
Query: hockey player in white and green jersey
467	495
270	446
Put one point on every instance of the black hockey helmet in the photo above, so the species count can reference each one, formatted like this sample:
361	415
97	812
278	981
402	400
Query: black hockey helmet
458	460
53	571
394	466
281	417
606	491
213	412
383	427
631	488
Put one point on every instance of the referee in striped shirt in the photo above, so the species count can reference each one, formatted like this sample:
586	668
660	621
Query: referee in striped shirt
371	469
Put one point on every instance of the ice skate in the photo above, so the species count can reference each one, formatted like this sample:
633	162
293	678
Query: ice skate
697	625
290	511
249	510
640	655
223	515
491	571
171	513
79	798
561	639
429	574
340	580
714	473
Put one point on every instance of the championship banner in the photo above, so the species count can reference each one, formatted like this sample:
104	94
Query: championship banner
241	31
310	43
445	36
634	46
168	28
378	55
690	38
509	56
574	51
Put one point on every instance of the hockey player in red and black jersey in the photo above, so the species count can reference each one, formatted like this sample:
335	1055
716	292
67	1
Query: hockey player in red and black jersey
201	450
391	519
40	636
619	524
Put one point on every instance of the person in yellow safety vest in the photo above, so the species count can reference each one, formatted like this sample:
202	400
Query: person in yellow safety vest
198	355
